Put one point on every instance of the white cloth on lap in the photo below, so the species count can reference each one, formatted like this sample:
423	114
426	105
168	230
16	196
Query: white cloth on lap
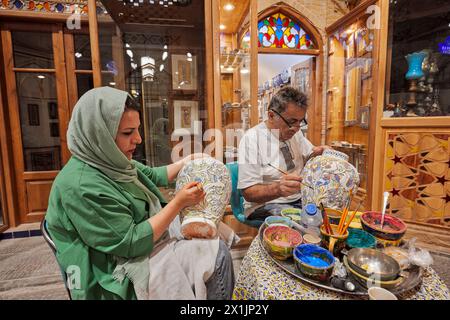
180	270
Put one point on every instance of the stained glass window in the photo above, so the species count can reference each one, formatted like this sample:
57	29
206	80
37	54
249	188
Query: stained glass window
279	31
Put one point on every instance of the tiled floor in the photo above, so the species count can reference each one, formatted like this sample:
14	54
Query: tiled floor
28	269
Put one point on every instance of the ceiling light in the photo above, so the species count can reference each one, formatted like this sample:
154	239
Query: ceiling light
112	84
78	55
222	27
41	76
161	68
228	7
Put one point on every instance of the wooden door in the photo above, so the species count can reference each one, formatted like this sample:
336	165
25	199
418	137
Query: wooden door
38	111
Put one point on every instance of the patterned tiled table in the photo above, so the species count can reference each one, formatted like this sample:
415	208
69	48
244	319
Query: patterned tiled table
260	278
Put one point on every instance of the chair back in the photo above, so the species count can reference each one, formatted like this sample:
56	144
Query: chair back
52	246
237	200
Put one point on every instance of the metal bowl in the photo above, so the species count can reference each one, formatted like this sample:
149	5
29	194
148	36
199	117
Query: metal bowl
373	263
368	282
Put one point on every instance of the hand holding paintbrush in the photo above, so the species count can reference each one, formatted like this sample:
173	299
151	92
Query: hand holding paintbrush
285	173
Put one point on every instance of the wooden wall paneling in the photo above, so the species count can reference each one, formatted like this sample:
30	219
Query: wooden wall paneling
118	57
254	115
212	54
95	49
37	196
72	86
219	144
14	125
61	90
377	134
6	161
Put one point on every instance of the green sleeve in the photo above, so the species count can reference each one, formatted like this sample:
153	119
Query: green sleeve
158	175
105	223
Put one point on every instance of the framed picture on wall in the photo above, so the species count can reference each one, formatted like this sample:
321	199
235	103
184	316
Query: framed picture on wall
52	110
33	114
184	72
186	117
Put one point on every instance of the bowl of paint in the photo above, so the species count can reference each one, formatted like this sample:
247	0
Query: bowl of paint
292	213
278	220
314	261
358	238
393	228
281	240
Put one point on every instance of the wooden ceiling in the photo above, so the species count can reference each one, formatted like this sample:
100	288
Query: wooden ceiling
155	15
189	16
232	20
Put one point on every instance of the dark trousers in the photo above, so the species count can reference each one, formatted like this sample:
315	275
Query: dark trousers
221	283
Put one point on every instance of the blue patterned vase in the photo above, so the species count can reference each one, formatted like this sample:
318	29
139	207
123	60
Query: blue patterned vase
332	177
202	220
415	60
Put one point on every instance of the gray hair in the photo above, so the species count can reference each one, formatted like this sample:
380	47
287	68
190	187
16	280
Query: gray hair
288	95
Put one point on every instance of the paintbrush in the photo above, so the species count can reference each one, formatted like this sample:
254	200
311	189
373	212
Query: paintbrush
285	173
326	222
344	213
351	217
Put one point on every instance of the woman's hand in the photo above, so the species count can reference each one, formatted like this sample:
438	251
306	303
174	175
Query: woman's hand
190	195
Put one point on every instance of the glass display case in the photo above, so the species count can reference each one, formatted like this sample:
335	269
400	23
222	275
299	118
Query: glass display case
418	62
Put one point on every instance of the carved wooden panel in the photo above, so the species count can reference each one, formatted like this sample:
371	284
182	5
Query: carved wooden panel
417	176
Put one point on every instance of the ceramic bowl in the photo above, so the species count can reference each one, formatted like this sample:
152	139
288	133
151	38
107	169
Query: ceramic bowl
278	220
373	263
393	228
314	262
368	282
292	213
281	240
358	238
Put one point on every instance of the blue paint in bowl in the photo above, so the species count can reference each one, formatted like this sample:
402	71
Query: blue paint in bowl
314	256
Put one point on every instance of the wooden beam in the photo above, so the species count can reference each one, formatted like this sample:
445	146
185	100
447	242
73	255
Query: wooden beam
254	116
93	37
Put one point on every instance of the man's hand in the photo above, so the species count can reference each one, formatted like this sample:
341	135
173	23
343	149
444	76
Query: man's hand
317	151
289	184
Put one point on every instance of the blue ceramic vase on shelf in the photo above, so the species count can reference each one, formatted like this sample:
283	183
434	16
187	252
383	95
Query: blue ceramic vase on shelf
415	60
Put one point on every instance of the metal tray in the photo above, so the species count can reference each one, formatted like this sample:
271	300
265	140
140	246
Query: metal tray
413	276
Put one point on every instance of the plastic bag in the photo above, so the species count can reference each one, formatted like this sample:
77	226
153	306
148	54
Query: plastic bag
419	257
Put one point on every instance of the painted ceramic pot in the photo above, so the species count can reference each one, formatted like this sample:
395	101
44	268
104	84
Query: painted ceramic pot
314	262
393	228
333	242
281	240
415	61
202	220
332	177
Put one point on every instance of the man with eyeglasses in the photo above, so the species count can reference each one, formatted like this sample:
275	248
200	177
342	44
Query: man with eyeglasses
277	143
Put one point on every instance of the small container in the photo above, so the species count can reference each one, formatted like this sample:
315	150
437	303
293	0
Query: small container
311	239
310	216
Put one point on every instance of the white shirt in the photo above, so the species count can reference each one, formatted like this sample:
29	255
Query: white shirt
260	146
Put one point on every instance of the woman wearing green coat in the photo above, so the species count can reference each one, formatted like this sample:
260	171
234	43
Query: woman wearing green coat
105	210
